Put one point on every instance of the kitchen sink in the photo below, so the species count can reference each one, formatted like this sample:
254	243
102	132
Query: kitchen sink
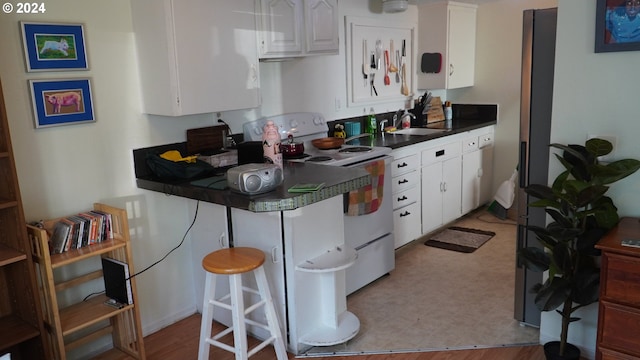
418	131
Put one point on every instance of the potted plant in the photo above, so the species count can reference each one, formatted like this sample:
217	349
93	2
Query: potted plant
580	214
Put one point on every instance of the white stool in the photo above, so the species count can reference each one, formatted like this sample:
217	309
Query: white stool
234	262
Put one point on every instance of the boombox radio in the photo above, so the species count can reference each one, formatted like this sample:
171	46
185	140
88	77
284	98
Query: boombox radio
254	178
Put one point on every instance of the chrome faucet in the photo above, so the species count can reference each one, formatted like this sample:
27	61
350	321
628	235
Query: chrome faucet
382	123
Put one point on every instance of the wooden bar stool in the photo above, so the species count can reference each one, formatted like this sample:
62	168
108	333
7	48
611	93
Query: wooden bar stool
234	262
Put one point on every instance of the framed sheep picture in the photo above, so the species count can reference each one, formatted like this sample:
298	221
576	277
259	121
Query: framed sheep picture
61	102
54	46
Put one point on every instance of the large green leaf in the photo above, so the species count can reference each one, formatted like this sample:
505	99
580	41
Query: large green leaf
586	286
620	170
598	147
552	294
534	258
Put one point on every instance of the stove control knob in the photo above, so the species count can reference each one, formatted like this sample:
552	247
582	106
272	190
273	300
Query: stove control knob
293	123
318	120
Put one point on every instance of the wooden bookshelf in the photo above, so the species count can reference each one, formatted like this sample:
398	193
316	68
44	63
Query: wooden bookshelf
21	325
86	321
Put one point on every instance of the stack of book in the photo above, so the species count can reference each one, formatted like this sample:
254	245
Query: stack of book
83	229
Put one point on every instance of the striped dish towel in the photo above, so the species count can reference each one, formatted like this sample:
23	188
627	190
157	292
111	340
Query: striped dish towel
368	199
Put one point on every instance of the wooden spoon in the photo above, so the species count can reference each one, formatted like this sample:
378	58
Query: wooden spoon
404	89
392	67
387	79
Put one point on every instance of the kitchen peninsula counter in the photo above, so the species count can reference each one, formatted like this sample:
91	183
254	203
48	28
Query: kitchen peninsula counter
337	181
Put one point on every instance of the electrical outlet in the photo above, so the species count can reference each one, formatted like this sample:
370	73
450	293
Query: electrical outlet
610	138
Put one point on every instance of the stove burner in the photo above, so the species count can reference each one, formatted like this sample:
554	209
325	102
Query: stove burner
356	149
295	157
319	158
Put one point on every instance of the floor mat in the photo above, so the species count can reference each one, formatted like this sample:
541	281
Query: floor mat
460	239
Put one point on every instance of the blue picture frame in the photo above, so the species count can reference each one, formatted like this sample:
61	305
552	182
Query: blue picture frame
54	46
61	102
614	29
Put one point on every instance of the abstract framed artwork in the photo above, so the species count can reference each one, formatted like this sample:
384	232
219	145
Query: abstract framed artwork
617	25
61	102
54	46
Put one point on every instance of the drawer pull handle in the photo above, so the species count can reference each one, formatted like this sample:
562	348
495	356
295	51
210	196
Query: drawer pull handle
403	198
406	213
404	164
403	181
439	152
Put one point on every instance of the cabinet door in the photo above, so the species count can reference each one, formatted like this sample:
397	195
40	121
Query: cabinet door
406	224
452	181
431	197
196	56
486	178
321	26
472	174
281	27
461	46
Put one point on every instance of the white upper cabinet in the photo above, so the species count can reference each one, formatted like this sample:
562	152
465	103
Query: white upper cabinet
292	28
196	56
448	28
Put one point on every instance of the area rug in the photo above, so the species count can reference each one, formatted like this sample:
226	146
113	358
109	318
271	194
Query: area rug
460	239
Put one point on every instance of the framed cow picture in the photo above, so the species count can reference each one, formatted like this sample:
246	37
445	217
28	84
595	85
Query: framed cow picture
54	46
61	102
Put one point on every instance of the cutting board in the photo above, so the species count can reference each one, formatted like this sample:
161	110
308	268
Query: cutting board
435	112
206	139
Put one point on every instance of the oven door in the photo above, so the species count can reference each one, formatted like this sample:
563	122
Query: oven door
372	237
362	229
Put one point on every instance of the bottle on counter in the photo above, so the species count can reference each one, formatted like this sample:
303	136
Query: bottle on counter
372	123
448	113
271	144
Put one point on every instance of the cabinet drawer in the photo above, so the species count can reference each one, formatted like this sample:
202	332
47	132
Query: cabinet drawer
470	144
485	140
622	279
441	153
406	197
405	181
406	224
404	164
606	354
620	328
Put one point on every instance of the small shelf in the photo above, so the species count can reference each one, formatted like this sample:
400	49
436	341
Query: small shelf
10	256
86	313
6	203
14	330
335	259
71	256
348	327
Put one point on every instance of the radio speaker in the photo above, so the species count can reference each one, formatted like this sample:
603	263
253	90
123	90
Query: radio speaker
254	178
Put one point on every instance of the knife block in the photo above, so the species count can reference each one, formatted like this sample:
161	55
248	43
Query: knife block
435	112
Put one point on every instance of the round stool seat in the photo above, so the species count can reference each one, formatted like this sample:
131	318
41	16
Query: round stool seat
233	260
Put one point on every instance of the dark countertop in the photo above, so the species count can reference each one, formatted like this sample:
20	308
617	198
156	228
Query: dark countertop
396	141
338	180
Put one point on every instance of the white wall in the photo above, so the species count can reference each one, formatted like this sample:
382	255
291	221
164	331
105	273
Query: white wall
593	94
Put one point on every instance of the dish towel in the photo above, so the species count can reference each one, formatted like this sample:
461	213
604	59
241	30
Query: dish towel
368	199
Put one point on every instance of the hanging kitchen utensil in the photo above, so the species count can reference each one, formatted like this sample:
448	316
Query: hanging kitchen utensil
404	89
392	67
372	74
398	66
387	80
365	73
378	53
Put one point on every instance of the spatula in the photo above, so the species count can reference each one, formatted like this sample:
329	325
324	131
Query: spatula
387	80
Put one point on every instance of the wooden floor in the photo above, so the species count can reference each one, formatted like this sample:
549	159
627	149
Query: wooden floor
180	342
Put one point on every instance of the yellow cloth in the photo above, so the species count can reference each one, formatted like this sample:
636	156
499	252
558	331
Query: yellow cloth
174	155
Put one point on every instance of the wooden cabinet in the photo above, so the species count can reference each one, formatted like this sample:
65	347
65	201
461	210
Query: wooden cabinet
196	56
477	167
448	28
619	307
441	182
405	177
21	325
72	326
292	28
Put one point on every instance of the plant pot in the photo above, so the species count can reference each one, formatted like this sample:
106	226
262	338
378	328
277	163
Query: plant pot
552	348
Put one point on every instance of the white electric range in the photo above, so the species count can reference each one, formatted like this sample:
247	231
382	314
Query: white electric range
371	235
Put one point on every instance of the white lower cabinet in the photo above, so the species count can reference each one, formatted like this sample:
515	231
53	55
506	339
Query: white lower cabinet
477	167
406	195
441	182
